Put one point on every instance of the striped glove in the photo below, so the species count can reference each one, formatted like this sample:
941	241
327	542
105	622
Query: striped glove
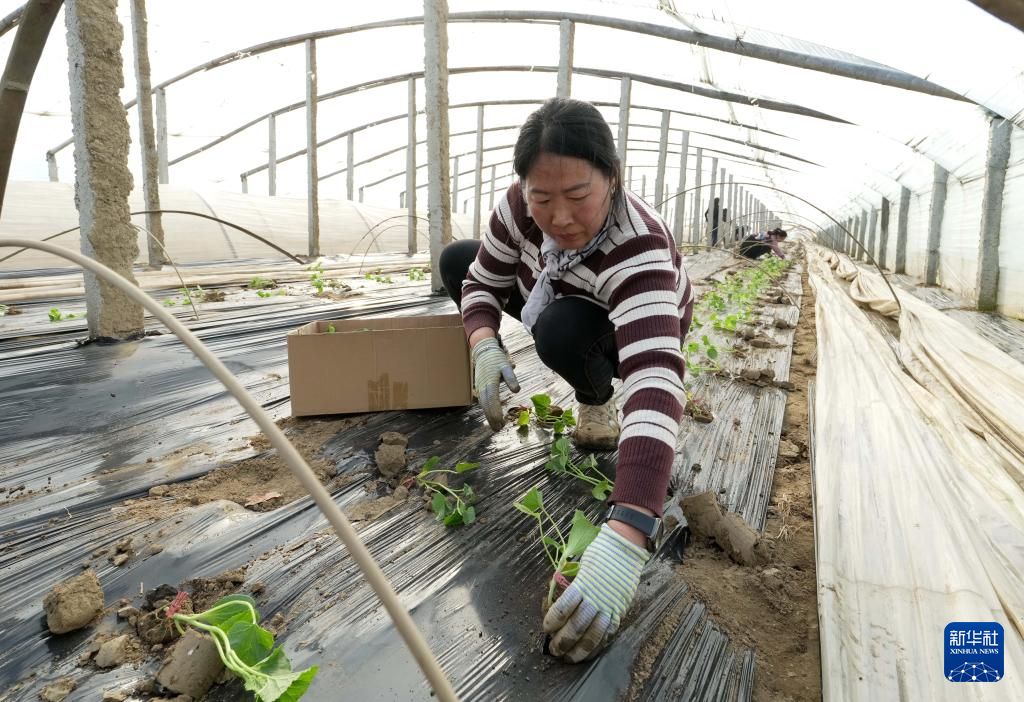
490	365
588	613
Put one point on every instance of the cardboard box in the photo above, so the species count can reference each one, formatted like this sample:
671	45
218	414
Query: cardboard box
384	363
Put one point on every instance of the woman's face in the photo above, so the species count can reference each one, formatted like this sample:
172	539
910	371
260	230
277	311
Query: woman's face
568	198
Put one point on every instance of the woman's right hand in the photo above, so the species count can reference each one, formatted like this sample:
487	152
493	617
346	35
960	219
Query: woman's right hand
491	365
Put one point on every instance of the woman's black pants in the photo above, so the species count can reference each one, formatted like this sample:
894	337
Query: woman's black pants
573	336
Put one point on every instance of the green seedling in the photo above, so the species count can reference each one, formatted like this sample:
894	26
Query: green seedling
259	283
55	315
331	329
548	416
171	302
247	649
416	274
559	549
3	310
451	505
266	294
318	282
586	470
192	296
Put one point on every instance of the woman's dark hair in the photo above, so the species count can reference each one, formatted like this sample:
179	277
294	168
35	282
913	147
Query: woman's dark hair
568	127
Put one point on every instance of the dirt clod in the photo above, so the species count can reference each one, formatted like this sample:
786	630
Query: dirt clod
394	438
57	691
120	559
192	666
750	374
390	459
728	529
781	323
113	652
74	603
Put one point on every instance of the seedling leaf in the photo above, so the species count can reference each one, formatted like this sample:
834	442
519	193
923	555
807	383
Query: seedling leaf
430	465
251	642
524	418
601	490
469	515
230	611
439	505
571	569
533	501
580	535
463	467
541	403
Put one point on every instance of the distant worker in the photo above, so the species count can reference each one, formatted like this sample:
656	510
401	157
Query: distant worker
757	246
593	273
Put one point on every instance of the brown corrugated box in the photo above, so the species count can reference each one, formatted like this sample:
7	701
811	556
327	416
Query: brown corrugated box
383	363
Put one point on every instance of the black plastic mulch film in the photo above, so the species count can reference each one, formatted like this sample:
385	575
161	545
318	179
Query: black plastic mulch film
78	423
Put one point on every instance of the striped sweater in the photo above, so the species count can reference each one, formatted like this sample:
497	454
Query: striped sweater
636	275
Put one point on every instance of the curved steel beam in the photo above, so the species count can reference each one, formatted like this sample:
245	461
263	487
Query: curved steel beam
600	73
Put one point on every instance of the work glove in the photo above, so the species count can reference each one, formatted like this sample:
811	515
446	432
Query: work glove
587	614
490	365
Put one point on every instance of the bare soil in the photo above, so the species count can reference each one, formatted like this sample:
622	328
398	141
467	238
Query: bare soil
259	483
773	607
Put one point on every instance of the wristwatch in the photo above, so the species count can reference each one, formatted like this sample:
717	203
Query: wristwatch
650	526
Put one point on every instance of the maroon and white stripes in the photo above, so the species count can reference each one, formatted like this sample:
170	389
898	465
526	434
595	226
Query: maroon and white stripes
637	276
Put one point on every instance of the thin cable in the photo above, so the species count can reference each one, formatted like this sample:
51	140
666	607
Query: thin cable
371	571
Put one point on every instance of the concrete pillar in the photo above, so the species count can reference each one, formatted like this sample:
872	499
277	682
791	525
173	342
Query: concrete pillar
350	166
566	38
883	233
680	219
51	166
992	212
272	155
643	186
659	180
629	178
901	232
872	228
245	183
697	198
410	169
625	91
711	202
312	176
455	185
102	179
479	171
938	208
161	136
150	187
435	79
360	193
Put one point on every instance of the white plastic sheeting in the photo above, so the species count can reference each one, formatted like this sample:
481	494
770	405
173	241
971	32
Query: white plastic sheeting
918	484
38	210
